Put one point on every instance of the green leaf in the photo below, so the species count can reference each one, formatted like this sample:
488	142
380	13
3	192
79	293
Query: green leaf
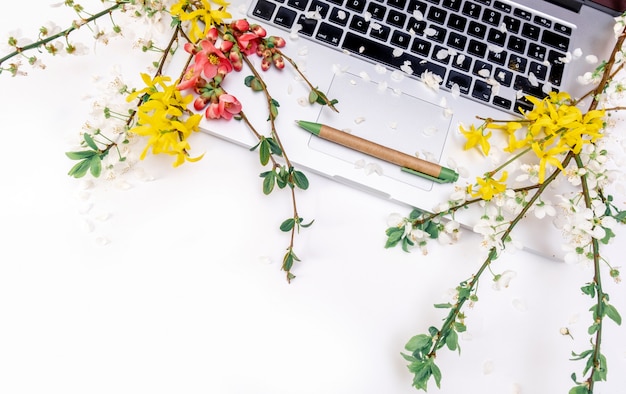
287	225
274	109
589	289
288	261
579	390
90	142
264	151
80	155
313	96
394	235
274	147
306	225
436	374
442	306
269	179
418	342
406	243
432	229
408	358
80	169
613	314
253	83
95	166
300	180
452	340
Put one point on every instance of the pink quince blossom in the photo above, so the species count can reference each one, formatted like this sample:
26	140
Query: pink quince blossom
212	60
226	107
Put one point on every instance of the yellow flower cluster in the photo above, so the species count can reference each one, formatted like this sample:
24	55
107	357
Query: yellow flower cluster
488	186
555	126
201	15
162	118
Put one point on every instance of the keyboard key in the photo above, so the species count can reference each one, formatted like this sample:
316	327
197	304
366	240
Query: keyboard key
457	41
517	63
477	29
497	57
496	37
457	22
339	16
358	23
377	11
542	21
522	14
512	24
502	6
399	4
563	29
522	83
338	2
492	17
517	44
462	62
463	81
329	34
356	5
482	69
502	102
400	39
556	67
536	51
539	70
421	47
530	31
504	77
320	7
477	48
382	33
472	10
397	19
416	5
454	5
416	27
285	17
437	15
523	104
441	54
555	40
298	4
308	26
264	10
482	90
437	33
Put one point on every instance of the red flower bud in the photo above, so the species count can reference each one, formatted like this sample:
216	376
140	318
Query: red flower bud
212	35
242	25
258	30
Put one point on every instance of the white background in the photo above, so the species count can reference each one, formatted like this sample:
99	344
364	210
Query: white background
174	285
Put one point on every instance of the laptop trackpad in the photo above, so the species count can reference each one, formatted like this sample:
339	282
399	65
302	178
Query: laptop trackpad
387	117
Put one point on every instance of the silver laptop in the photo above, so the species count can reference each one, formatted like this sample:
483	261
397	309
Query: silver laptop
372	55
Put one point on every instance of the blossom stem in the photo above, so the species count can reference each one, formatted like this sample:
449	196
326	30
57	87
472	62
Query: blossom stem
64	33
597	279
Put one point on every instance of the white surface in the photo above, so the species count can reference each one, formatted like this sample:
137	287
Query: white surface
182	298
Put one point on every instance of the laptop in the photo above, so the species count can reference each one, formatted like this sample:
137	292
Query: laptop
407	73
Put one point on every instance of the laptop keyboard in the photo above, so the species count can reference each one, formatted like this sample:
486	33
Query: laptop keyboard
494	52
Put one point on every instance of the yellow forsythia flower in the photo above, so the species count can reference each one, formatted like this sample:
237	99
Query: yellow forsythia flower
476	137
488	186
200	15
162	118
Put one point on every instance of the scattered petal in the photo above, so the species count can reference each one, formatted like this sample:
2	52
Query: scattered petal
488	367
520	305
